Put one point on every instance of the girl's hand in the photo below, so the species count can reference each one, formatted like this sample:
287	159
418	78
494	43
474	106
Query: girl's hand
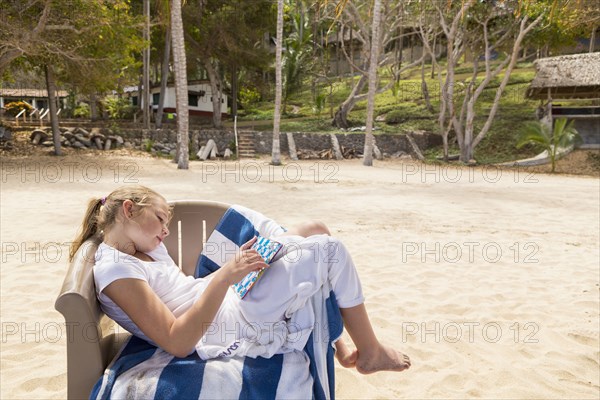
246	261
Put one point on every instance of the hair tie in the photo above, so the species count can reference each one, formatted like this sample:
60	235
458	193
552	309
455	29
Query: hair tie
103	200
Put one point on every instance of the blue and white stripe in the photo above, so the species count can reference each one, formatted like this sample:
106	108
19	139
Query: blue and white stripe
143	371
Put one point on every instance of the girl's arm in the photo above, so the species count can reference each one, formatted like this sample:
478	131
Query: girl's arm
179	336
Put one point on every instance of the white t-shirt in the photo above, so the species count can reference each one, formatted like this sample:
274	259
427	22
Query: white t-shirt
162	275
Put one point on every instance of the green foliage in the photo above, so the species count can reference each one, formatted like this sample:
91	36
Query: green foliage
89	44
248	96
231	146
319	103
296	59
118	108
395	117
255	114
15	107
82	110
148	143
564	135
563	21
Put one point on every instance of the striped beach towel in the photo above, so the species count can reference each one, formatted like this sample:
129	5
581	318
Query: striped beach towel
143	371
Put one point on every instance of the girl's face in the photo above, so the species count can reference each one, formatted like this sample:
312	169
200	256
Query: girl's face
148	226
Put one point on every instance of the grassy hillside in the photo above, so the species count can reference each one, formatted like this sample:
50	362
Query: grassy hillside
403	110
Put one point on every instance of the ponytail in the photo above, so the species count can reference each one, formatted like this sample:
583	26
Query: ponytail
89	226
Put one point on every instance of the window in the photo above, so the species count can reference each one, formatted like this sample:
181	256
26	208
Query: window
134	100
155	98
192	99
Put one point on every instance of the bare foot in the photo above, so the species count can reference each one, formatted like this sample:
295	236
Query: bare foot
345	356
382	359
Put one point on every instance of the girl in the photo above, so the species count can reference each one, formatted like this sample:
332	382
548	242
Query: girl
140	287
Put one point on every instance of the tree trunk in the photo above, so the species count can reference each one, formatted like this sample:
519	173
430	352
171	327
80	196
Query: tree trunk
146	67
337	51
234	90
341	115
433	58
373	63
275	154
93	107
215	87
164	79
424	88
181	92
51	87
351	55
593	40
141	93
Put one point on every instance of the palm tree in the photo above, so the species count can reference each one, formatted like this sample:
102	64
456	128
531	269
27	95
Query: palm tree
146	67
181	95
276	152
563	136
368	157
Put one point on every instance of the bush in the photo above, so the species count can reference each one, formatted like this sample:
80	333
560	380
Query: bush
395	117
248	96
15	107
82	111
319	103
118	108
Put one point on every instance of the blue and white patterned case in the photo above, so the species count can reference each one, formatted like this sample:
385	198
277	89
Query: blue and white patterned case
267	249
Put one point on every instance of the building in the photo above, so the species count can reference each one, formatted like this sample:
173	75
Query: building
199	98
37	98
570	87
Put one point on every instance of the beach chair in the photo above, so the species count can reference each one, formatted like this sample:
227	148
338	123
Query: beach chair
92	338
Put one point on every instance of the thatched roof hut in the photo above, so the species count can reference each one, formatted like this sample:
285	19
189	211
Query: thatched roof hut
574	76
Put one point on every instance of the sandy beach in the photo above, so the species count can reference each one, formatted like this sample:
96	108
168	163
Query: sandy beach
489	279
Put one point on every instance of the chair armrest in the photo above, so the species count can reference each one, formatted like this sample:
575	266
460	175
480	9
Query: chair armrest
91	339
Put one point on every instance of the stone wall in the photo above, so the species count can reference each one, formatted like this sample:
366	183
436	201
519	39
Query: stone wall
165	140
387	144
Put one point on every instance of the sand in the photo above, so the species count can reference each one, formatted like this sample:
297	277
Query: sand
488	279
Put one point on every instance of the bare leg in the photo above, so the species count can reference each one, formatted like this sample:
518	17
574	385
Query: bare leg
309	228
372	355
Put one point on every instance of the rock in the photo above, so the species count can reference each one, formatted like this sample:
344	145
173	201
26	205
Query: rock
48	143
398	154
227	154
5	133
6	145
38	136
83	140
358	129
108	143
81	131
78	145
97	138
407	157
207	151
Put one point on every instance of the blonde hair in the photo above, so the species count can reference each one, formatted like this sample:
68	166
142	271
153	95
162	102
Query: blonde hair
102	213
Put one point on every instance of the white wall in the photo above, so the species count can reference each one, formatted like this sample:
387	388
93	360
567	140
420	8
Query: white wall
204	102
